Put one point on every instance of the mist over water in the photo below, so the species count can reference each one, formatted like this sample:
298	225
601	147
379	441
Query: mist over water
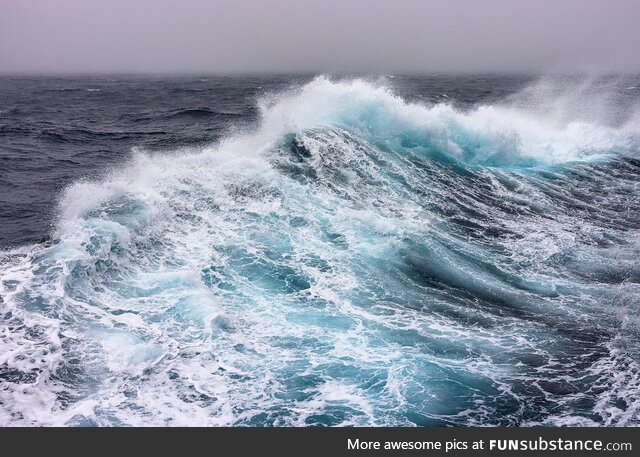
288	36
331	251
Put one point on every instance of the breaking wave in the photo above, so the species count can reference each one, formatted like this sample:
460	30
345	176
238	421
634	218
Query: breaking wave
356	259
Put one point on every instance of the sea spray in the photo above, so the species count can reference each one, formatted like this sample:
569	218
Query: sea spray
356	259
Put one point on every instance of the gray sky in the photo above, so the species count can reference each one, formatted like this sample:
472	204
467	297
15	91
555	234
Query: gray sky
390	36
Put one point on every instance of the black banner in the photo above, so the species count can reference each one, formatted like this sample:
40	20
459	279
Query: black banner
325	442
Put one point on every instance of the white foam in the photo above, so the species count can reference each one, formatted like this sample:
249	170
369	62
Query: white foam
123	287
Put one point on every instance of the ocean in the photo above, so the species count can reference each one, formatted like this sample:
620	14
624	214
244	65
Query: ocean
319	251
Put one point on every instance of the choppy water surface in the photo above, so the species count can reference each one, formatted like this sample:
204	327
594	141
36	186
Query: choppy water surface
317	251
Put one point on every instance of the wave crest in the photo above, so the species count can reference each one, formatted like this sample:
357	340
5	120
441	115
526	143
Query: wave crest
500	135
346	263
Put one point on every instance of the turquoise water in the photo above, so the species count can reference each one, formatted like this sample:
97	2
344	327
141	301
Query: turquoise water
355	259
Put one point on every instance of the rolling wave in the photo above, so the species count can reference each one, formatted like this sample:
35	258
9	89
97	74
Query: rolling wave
355	260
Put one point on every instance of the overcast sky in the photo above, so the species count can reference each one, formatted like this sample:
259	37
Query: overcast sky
340	36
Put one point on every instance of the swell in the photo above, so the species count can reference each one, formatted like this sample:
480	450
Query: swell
355	260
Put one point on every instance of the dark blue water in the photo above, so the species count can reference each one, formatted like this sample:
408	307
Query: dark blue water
311	251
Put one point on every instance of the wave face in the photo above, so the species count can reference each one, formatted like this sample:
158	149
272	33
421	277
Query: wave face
357	259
